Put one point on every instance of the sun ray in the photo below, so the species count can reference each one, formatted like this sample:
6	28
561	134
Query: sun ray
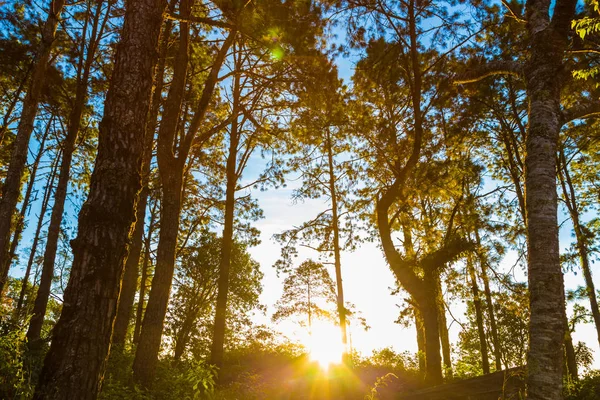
325	345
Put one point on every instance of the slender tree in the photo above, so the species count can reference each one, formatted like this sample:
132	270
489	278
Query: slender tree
12	184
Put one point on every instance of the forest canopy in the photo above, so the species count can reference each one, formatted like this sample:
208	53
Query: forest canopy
269	199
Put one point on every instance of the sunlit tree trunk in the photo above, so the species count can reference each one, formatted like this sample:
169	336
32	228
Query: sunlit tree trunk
12	185
75	363
68	147
131	274
545	76
335	223
170	169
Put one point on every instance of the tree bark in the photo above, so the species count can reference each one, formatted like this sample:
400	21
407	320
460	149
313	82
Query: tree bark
130	276
60	195
12	185
75	363
545	76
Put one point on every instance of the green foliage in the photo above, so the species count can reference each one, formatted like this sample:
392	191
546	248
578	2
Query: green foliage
586	27
381	381
15	380
307	291
190	380
587	388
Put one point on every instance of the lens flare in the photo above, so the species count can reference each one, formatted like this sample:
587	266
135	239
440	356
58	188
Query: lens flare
325	345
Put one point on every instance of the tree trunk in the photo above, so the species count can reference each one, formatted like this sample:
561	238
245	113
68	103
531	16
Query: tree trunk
130	276
183	336
420	340
570	354
217	351
433	360
60	195
490	307
170	169
12	185
75	363
36	237
139	312
444	338
146	355
545	75
580	237
26	200
341	307
485	364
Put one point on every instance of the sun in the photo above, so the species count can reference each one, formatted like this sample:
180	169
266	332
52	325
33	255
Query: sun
325	345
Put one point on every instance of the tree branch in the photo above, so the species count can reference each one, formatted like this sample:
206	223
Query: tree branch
199	20
580	111
488	69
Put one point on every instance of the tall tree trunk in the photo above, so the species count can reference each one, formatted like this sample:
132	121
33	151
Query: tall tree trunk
130	276
485	363
12	185
489	306
74	366
341	307
60	196
545	76
570	354
170	170
420	340
217	350
26	200
38	230
443	324
580	237
139	312
433	360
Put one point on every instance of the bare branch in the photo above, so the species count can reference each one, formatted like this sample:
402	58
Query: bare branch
199	20
488	69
